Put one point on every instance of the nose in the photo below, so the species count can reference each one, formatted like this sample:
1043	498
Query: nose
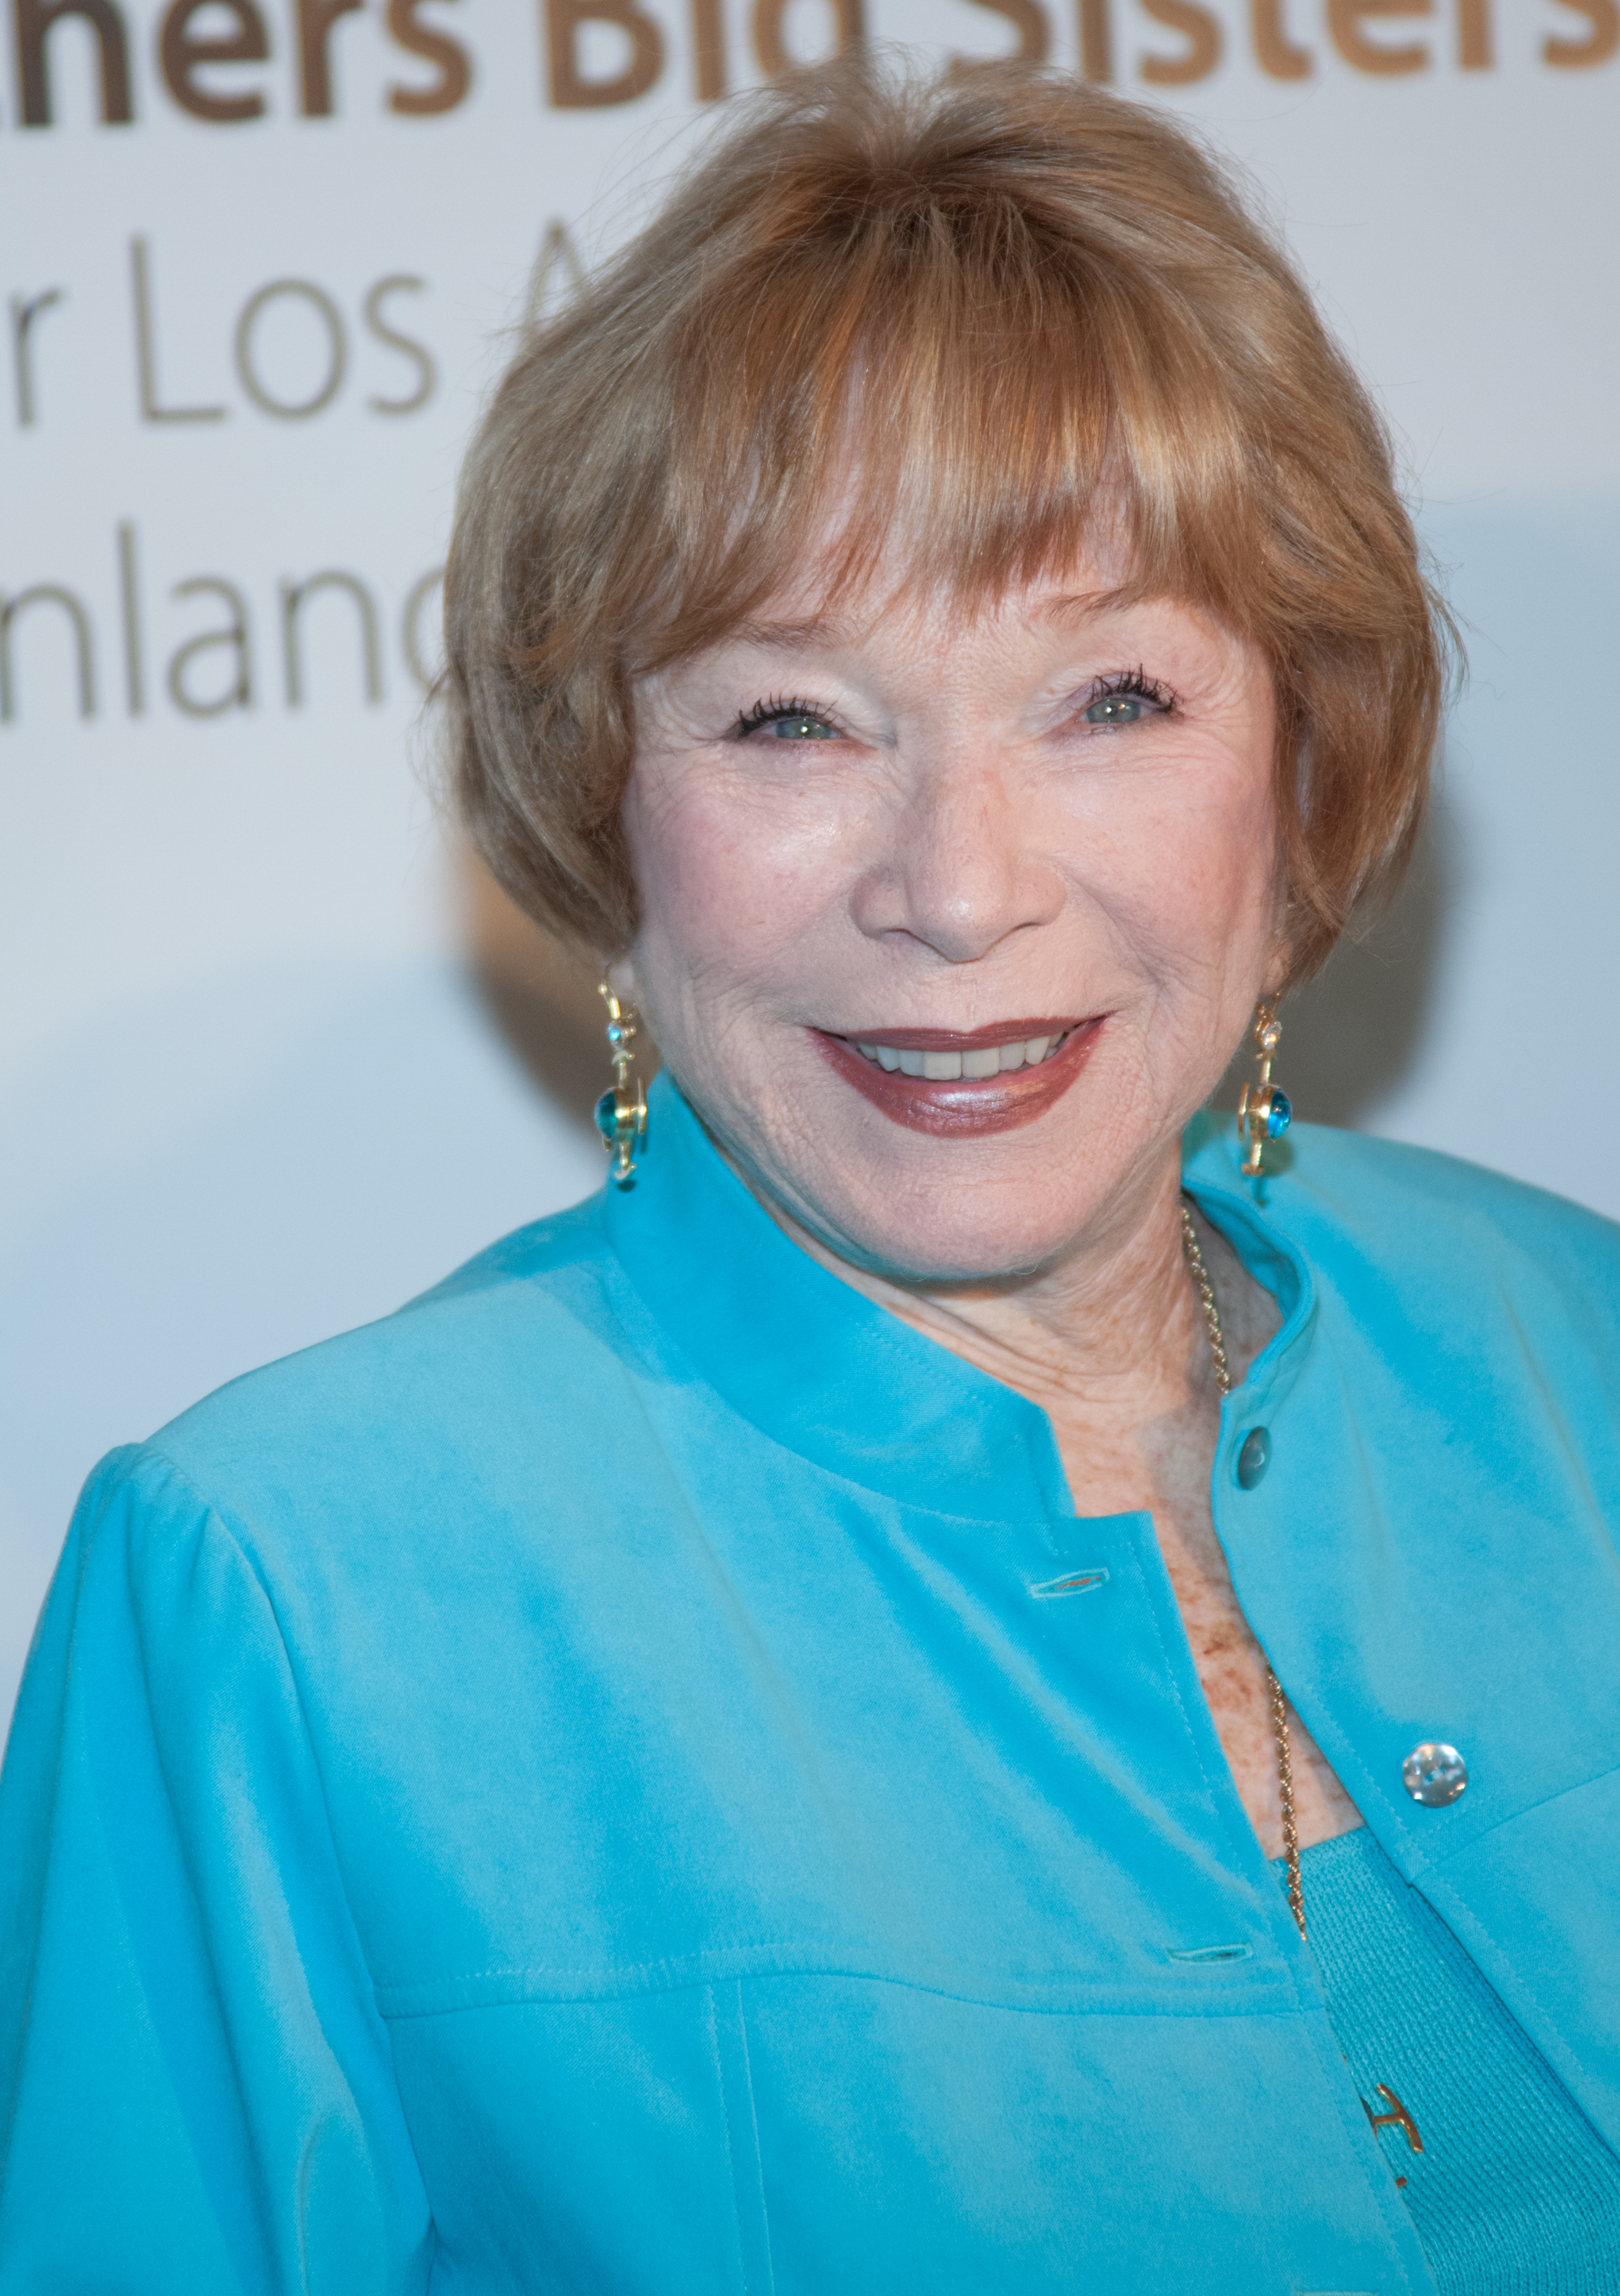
962	869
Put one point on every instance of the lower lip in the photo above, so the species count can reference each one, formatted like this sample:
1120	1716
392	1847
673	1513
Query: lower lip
966	1108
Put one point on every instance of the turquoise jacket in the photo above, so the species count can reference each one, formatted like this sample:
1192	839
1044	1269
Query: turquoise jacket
629	1776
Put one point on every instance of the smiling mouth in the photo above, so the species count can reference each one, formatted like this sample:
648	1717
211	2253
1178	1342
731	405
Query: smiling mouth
944	1065
961	1083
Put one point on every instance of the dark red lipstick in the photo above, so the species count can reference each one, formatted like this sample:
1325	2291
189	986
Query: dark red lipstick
964	1108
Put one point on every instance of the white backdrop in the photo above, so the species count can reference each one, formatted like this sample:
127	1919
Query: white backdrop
270	1058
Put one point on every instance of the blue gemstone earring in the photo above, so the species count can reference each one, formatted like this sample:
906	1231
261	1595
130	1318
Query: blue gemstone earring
1264	1113
621	1113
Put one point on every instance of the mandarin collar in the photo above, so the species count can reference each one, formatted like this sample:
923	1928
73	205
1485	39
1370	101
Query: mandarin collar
822	1369
1212	1175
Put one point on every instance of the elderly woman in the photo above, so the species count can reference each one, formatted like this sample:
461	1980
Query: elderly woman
967	1682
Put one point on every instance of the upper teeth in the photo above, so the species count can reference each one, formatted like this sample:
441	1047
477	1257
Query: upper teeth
946	1068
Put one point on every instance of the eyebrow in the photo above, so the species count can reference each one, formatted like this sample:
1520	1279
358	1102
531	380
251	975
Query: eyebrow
1087	602
823	629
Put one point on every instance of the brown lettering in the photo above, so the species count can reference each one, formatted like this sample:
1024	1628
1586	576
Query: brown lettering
1203	35
238	694
419	355
1475	47
304	290
181	57
570	90
1096	41
557	253
1344	21
146	347
129	617
707	50
447	56
293	597
315	21
1274	52
1579	56
410	628
47	593
25	310
34	21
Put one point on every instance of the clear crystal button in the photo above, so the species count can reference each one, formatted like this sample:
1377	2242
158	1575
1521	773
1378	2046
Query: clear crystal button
1434	1774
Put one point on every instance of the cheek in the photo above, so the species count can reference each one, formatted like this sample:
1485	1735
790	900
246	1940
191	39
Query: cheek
729	877
1188	866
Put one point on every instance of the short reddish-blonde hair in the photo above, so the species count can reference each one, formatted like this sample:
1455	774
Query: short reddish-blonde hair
1025	308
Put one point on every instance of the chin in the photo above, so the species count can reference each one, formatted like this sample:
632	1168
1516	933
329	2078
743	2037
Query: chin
937	1244
938	1210
946	1178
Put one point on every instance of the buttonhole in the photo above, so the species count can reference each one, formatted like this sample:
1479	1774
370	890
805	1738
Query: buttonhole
1210	1952
1074	1582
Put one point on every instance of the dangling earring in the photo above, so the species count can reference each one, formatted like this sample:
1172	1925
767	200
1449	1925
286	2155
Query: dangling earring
621	1113
1264	1113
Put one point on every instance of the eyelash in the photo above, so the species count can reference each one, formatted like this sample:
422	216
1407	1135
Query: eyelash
1134	684
765	713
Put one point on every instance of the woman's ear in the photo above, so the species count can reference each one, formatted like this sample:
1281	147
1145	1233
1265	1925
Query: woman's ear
619	974
1279	966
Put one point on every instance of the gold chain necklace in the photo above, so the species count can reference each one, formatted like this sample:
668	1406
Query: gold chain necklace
1280	1712
1396	2116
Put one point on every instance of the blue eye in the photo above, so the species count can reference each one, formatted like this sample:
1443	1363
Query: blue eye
786	721
801	729
1126	699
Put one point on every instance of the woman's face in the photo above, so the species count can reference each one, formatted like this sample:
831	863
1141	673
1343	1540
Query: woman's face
950	921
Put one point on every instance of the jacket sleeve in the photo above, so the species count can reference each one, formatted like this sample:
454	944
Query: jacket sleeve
195	2088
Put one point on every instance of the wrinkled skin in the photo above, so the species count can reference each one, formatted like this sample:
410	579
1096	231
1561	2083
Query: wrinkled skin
963	848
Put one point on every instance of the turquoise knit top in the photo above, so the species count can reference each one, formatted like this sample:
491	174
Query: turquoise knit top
1514	2192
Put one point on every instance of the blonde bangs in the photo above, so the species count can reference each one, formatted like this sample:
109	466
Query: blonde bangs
967	403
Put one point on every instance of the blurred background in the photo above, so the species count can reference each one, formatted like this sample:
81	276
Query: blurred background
274	1054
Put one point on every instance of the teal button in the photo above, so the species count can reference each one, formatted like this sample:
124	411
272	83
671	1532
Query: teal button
1255	1457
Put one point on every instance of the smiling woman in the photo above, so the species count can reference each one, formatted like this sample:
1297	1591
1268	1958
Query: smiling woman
736	1744
971	811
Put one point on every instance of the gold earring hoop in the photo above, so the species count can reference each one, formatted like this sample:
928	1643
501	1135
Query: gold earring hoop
621	1113
1264	1112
